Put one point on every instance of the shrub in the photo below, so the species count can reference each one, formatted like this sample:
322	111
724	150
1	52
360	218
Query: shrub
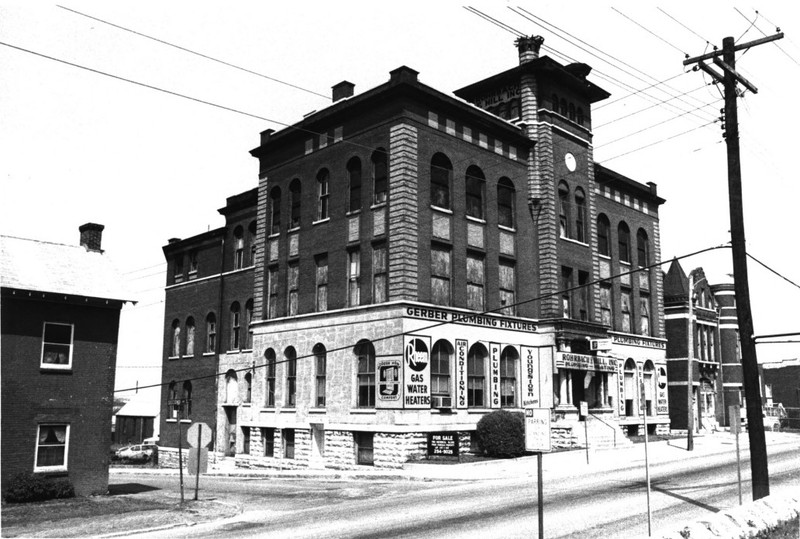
501	434
30	487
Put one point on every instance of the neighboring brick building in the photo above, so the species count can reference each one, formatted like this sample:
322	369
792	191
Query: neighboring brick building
781	392
423	259
60	322
208	309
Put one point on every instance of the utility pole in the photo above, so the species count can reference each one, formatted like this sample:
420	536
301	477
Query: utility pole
690	369
726	60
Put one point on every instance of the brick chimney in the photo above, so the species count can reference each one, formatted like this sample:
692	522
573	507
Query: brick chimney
91	236
342	90
528	48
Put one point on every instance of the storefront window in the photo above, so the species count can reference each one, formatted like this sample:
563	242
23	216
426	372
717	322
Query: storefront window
476	375
630	388
440	368
508	377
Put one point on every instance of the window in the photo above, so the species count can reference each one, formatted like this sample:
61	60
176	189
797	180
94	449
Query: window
354	278
231	387
563	107
566	292
441	178
272	293
624	242
563	210
186	399
583	295
275	210
507	288
268	442
52	442
508	377
625	308
606	312
189	337
321	363
603	235
323	178
178	269
580	117
246	440
322	282
288	443
175	348
440	275
294	196
293	282
642	249
379	279
379	176
475	182
193	263
354	177
235	326
475	282
238	248
629	385
248	388
571	112
554	101
580	215
248	319
649	387
57	345
440	368
173	402
476	375
291	376
365	355
364	442
251	239
644	315
505	203
269	357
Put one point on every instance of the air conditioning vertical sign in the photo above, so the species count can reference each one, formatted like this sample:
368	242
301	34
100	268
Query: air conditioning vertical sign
461	373
417	372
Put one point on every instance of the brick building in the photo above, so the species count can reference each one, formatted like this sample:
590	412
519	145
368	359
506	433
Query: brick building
422	259
60	322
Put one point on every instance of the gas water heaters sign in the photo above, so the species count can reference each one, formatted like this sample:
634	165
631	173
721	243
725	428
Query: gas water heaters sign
416	372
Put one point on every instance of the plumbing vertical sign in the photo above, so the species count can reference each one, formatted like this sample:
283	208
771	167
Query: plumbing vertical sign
416	372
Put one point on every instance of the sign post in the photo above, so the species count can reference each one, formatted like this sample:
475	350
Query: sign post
198	436
584	409
643	409
736	427
537	439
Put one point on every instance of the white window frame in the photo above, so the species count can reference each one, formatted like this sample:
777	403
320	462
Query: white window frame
60	467
56	366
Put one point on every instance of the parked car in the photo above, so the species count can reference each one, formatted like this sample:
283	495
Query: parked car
153	440
139	452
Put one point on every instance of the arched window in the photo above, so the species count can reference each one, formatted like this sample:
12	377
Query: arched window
231	387
644	314
513	109
323	178
173	401
248	319
380	176
187	399
211	333
251	239
441	178
629	386
189	337
642	249
476	375
235	326
175	348
238	248
603	235
275	210
624	242
248	388
321	364
563	107
475	182
505	202
441	355
554	101
295	192
580	215
509	358
291	376
269	358
563	210
571	112
649	387
580	118
354	183
365	356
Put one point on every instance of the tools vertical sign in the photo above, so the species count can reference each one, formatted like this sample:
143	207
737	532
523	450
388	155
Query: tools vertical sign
416	372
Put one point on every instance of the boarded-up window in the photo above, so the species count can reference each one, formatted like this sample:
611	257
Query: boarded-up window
293	282
507	288
354	278
644	315
440	275
475	283
322	283
379	280
625	305
272	286
605	305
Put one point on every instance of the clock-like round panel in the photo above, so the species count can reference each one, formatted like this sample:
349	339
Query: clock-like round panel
570	161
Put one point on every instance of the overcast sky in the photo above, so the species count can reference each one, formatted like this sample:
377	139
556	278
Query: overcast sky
80	146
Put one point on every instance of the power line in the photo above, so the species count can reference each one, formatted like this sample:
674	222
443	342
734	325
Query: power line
642	90
147	268
773	271
683	25
437	324
650	31
777	29
618	118
190	51
494	21
659	141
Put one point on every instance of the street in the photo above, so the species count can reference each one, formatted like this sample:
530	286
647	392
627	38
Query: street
583	504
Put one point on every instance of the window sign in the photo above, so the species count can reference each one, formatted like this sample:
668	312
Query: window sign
390	391
461	373
662	406
416	372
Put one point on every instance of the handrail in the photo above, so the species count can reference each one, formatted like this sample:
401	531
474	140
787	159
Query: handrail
613	429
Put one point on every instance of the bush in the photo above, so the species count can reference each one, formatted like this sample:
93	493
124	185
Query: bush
29	487
501	434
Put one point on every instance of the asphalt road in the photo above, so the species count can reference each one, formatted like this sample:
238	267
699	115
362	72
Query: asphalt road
603	504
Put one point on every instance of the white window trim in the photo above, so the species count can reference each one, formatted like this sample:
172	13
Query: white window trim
56	366
60	468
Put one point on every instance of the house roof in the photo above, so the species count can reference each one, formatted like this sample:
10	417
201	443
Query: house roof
41	266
